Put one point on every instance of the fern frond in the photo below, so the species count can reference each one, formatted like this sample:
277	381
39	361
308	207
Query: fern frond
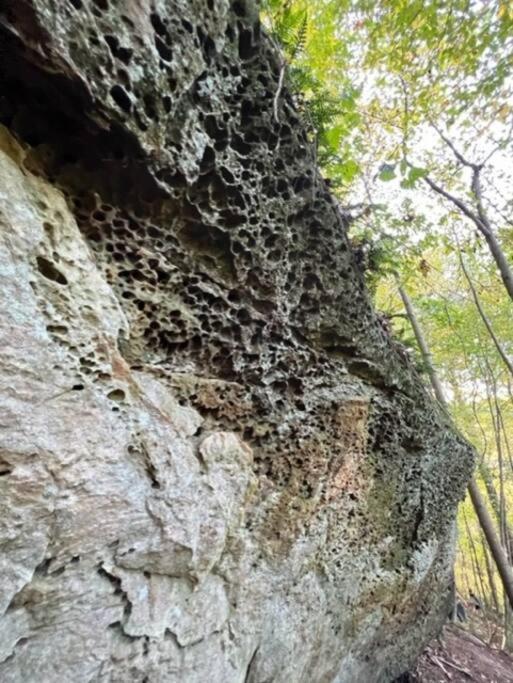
300	37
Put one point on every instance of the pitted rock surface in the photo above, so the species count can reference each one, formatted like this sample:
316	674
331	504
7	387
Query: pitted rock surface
215	465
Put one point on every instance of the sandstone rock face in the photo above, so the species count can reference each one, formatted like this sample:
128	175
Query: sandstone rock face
214	463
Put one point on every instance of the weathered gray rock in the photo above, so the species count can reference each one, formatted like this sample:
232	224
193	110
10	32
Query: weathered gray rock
215	465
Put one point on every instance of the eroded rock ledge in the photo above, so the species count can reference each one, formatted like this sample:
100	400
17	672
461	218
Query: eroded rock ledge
215	465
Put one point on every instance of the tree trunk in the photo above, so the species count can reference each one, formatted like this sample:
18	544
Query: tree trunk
484	317
500	259
481	222
424	349
485	521
478	577
489	574
497	551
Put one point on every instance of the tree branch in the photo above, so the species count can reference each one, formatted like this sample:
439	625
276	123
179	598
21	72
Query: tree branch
457	202
483	315
278	92
452	147
477	192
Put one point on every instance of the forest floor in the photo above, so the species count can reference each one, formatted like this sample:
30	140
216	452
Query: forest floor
460	656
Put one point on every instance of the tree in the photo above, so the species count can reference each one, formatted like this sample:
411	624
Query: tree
499	555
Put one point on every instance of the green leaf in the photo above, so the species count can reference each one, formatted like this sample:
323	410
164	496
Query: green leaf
413	175
387	172
417	173
334	135
348	170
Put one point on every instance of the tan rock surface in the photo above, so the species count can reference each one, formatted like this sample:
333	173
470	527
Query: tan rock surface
215	465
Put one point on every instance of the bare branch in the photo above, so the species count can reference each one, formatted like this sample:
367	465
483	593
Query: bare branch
477	192
406	117
439	664
278	91
456	201
482	223
452	147
483	315
364	210
499	144
453	665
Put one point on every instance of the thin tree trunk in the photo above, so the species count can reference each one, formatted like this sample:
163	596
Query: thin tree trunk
465	564
500	422
478	578
500	259
493	497
424	349
489	574
496	501
507	627
482	223
478	422
497	551
496	416
483	516
484	317
477	213
486	477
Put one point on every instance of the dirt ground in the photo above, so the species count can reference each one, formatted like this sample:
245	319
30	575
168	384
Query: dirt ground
460	656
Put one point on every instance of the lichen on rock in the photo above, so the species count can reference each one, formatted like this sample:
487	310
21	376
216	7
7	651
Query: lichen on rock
214	462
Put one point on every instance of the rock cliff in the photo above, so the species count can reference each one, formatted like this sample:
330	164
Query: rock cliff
215	465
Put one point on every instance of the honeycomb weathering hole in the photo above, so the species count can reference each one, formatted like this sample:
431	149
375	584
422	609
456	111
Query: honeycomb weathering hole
50	271
230	261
